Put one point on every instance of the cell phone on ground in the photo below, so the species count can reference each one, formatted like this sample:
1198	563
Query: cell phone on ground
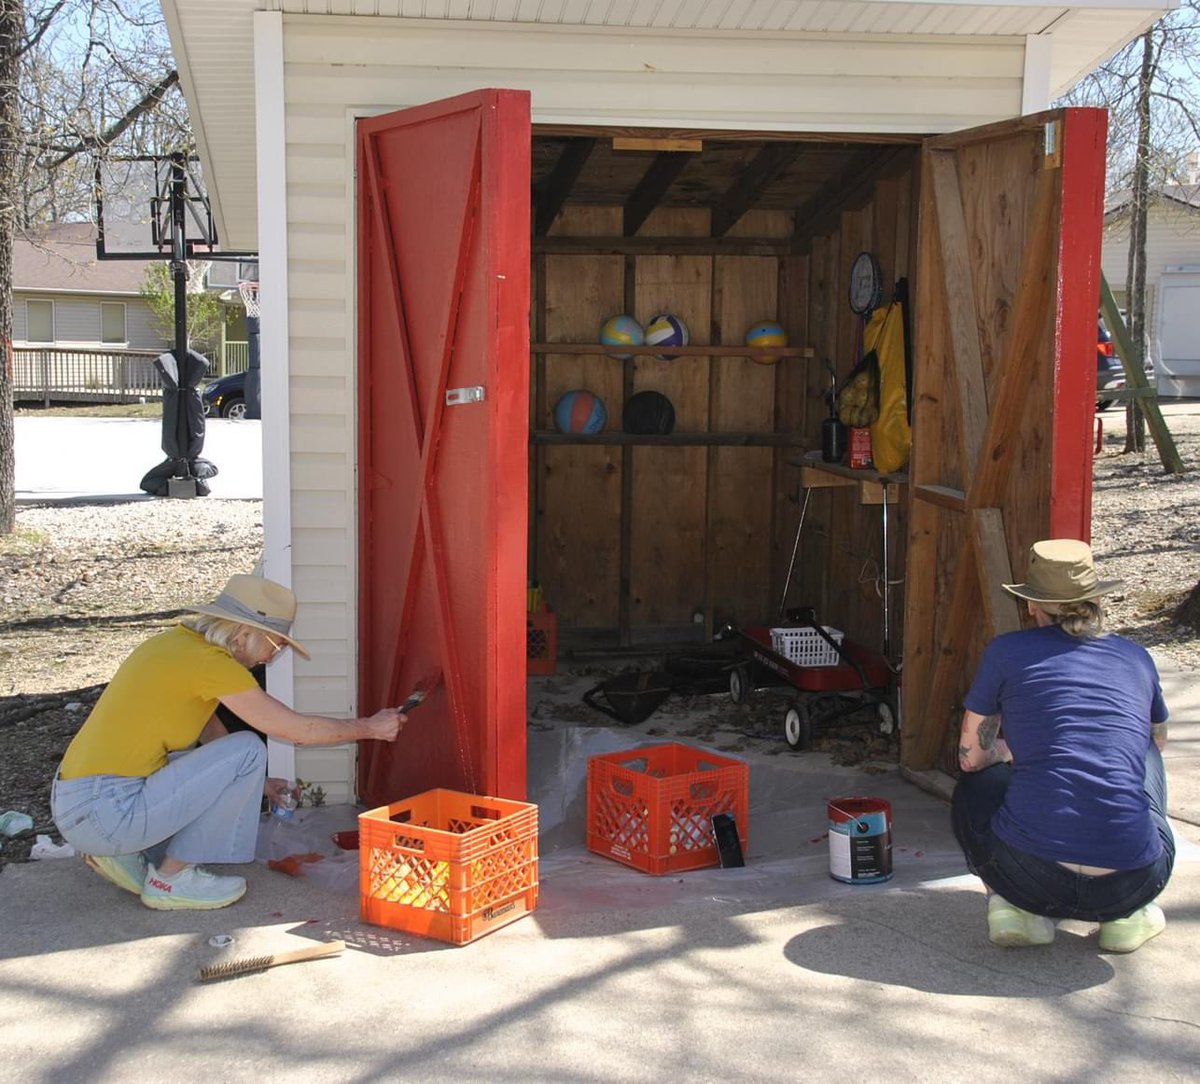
729	846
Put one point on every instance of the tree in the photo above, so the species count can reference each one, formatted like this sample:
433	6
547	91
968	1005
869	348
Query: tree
205	312
1152	92
77	77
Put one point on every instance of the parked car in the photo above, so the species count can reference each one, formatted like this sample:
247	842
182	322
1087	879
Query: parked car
226	397
1110	373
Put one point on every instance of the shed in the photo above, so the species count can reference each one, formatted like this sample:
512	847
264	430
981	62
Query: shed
724	162
1172	280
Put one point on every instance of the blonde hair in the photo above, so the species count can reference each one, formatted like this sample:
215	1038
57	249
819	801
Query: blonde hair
1084	619
216	630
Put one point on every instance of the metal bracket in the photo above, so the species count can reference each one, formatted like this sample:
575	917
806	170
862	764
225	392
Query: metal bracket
462	396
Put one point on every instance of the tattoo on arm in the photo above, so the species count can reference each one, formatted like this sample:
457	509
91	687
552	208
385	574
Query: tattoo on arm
988	730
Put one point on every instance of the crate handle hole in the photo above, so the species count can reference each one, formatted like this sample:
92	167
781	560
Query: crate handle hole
483	813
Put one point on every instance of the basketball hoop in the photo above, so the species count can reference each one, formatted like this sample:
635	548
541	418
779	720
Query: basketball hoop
249	291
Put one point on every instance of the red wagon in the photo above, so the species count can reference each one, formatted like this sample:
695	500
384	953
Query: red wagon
833	677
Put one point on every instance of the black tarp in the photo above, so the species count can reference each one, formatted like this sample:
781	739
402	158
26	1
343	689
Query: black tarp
182	425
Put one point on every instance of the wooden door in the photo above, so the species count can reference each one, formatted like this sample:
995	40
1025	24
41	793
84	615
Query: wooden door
1008	287
443	389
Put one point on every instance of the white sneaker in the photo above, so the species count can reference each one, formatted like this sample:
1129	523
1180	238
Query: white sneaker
191	889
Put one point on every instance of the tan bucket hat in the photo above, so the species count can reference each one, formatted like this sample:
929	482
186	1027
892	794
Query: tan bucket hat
1061	570
259	603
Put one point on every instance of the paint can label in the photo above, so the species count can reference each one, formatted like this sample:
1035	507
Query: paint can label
860	840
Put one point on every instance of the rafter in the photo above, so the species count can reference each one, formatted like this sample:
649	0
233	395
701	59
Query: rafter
755	179
553	194
662	173
847	191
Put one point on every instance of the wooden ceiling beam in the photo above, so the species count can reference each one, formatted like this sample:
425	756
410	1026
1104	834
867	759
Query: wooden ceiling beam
755	179
849	190
549	199
662	173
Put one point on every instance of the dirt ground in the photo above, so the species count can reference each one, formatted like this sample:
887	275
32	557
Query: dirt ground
81	585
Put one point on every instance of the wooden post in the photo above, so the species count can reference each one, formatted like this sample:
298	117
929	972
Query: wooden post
1135	376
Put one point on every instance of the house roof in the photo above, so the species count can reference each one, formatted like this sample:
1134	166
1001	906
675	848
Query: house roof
213	43
1180	196
62	259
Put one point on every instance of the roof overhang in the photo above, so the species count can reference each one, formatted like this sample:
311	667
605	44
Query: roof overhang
213	42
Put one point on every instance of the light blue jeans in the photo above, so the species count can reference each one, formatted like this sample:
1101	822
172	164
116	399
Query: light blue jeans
203	805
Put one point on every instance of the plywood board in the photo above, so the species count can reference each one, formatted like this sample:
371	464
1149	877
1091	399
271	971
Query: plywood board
578	521
669	492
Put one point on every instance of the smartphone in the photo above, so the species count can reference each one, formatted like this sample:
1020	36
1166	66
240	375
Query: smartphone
725	835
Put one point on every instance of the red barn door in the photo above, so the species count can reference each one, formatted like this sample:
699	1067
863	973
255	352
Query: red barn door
443	392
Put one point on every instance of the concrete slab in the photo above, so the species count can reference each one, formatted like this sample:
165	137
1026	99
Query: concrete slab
1181	690
770	973
97	459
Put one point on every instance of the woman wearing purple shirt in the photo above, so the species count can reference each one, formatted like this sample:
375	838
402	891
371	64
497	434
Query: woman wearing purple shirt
1065	816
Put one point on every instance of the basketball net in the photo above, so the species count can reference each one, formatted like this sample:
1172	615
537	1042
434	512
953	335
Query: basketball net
198	275
249	291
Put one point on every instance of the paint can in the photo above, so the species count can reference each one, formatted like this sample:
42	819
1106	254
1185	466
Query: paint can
860	840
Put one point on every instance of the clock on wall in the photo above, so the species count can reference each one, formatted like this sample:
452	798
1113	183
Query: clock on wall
866	284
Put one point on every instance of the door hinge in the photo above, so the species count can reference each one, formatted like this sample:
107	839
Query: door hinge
462	396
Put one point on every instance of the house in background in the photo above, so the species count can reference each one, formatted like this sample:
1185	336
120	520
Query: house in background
1172	281
64	296
82	330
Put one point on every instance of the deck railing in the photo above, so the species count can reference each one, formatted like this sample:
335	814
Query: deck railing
55	373
236	358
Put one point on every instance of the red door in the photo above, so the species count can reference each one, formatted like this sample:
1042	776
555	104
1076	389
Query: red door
443	392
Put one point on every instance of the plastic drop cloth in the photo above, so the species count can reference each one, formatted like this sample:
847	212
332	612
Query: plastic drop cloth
787	859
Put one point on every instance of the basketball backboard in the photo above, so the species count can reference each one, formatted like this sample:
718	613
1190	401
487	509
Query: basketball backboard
133	208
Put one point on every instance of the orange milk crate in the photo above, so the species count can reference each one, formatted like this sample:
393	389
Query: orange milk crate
652	808
541	641
448	865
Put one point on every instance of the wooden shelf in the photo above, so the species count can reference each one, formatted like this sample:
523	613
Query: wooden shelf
731	351
815	473
746	440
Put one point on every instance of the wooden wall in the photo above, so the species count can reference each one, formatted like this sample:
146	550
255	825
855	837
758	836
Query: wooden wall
711	529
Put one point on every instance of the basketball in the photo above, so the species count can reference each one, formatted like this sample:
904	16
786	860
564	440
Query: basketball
666	330
648	412
580	411
621	330
766	333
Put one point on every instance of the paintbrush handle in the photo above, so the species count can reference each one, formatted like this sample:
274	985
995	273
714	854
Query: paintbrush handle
313	952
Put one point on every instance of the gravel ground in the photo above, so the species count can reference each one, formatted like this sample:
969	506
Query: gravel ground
81	585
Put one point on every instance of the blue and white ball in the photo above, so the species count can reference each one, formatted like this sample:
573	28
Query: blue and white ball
666	330
580	411
622	330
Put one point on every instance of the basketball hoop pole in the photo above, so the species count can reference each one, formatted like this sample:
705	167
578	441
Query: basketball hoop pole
179	273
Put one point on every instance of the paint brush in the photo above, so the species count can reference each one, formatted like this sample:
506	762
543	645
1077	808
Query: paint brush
422	689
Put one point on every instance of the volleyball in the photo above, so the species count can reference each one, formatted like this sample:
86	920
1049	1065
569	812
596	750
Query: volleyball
766	333
666	330
580	411
622	330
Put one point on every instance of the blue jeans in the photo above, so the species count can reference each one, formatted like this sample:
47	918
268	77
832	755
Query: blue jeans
204	805
1040	885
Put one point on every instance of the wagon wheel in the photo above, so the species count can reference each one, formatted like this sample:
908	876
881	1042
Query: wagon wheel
798	725
740	689
887	717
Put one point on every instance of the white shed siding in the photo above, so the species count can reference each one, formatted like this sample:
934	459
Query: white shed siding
336	69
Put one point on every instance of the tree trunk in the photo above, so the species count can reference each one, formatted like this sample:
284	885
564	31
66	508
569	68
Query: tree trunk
1135	422
12	24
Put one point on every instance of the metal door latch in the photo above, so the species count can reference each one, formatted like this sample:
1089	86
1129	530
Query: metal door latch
462	396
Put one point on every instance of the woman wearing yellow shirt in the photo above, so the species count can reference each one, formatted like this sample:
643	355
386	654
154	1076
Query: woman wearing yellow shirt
133	778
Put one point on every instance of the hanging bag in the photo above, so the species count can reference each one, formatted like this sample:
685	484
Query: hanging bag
630	698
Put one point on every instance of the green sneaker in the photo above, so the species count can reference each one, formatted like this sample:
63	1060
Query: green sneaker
1013	928
1130	933
127	871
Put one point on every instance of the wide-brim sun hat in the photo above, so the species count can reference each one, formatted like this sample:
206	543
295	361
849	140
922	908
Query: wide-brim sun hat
259	603
1061	570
